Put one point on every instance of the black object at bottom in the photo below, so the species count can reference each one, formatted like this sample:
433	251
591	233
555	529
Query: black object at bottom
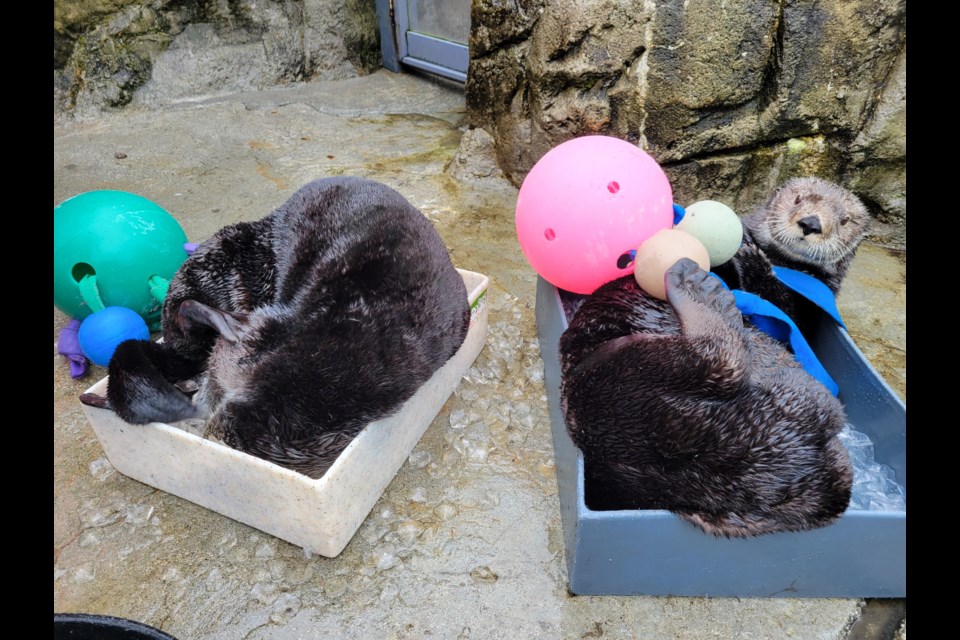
86	626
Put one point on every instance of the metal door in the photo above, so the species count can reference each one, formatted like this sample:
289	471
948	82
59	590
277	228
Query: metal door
427	34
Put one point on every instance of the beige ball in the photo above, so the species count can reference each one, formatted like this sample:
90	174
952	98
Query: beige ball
661	251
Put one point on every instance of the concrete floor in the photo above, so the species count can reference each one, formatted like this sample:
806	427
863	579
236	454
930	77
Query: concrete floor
466	542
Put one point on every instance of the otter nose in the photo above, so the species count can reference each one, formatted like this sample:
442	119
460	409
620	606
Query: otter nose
810	224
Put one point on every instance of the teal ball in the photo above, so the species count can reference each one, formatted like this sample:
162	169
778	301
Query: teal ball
717	226
121	238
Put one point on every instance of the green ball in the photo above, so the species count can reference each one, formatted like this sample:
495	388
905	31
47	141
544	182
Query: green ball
123	239
717	226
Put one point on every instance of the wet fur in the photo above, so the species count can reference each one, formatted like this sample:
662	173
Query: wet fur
681	405
323	316
773	235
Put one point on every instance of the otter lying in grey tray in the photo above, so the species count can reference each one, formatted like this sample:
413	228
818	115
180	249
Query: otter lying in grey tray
304	326
685	405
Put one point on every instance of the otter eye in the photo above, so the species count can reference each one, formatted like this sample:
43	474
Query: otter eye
844	220
797	201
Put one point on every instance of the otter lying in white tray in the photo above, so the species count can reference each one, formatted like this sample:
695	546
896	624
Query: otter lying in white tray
307	325
684	405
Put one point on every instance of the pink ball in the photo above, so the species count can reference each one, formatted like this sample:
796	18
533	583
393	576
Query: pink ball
585	204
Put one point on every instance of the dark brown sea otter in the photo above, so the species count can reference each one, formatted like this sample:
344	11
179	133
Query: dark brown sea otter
310	323
808	224
682	405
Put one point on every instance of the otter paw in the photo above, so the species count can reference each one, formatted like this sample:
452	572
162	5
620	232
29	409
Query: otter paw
752	263
698	297
95	400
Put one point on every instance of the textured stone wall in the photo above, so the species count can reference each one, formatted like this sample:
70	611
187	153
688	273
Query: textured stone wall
731	96
110	53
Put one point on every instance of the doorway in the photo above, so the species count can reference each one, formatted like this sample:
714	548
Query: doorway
431	35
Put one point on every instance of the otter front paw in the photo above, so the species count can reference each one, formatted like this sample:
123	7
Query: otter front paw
699	299
752	263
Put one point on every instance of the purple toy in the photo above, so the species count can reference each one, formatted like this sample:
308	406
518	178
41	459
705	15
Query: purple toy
69	345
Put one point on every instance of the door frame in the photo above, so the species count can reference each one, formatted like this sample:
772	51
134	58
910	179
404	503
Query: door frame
399	46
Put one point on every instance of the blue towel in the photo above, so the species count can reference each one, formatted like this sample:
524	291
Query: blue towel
811	289
770	319
767	317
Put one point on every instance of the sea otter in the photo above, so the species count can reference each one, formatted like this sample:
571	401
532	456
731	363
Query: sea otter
809	225
683	405
323	316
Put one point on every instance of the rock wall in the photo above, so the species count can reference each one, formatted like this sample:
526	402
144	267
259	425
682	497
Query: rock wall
110	53
731	96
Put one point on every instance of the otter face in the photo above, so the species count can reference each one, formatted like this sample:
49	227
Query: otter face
816	221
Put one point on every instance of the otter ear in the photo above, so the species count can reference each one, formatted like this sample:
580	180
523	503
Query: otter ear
230	326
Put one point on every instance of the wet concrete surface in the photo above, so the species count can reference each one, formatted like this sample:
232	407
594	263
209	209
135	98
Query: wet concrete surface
467	541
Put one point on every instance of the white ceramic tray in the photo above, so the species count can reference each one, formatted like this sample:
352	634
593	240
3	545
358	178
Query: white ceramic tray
321	515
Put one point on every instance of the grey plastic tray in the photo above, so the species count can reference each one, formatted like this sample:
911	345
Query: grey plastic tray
653	552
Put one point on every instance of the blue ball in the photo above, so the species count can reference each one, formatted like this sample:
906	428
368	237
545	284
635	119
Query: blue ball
101	332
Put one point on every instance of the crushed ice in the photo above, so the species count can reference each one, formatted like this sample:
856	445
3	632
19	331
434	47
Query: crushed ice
285	607
875	486
139	514
263	593
384	557
420	459
389	592
84	573
409	530
101	469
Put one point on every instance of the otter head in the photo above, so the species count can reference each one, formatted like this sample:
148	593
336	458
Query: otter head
814	221
237	350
